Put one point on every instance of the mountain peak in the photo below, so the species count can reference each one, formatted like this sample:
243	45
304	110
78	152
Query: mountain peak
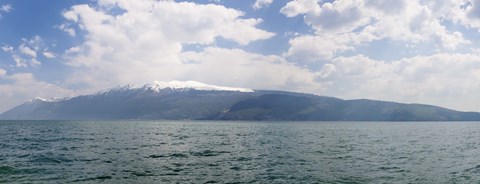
38	99
157	86
188	85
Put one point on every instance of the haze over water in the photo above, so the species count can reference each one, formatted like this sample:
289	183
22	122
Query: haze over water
228	152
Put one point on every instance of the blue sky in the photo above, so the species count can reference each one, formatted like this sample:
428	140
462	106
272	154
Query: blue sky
418	51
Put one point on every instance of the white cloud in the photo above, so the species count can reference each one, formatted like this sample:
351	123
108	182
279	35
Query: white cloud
73	50
19	62
7	48
361	22
314	48
137	46
239	68
469	15
388	6
2	72
297	7
474	11
187	22
441	79
338	17
25	62
326	71
6	8
27	51
25	54
259	4
22	86
49	55
67	29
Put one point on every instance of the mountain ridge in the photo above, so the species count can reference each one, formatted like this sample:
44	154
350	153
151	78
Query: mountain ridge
197	101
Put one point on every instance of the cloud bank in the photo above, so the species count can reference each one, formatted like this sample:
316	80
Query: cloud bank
146	43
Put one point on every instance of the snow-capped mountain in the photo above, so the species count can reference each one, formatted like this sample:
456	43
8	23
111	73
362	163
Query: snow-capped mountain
37	100
157	86
198	101
190	85
41	100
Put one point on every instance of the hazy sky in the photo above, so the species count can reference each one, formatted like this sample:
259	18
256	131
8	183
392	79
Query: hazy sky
412	51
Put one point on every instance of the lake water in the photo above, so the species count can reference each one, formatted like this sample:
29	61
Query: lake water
244	152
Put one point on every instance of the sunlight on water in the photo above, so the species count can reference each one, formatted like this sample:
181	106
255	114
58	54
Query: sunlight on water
222	152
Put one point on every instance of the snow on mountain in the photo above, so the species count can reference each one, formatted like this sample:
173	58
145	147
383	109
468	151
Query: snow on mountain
40	99
191	85
37	99
156	86
167	100
128	87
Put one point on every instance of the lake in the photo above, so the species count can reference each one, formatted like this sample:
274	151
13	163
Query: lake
239	152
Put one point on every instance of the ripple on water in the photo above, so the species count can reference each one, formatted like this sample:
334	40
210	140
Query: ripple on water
171	155
243	159
140	173
42	158
157	156
229	152
100	178
207	153
9	170
211	181
178	155
475	169
4	170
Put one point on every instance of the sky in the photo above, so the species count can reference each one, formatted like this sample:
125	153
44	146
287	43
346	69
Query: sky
410	51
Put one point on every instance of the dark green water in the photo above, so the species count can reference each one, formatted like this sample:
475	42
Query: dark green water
244	152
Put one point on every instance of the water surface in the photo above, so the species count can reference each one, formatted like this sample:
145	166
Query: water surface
245	152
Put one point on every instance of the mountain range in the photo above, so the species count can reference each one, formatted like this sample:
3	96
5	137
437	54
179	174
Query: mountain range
197	101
